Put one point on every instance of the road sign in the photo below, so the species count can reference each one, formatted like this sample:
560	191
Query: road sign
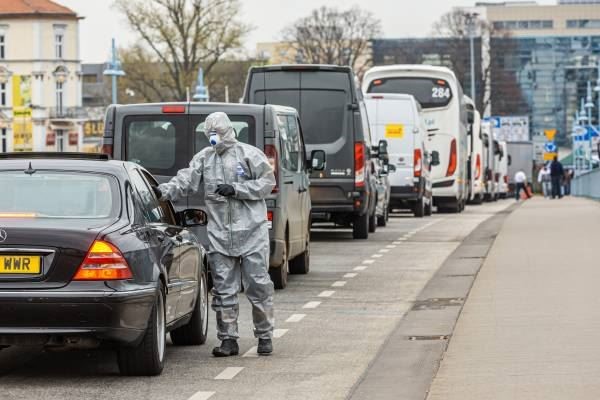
550	147
511	128
550	133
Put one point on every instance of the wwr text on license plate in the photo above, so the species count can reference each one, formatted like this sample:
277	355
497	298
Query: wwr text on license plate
20	265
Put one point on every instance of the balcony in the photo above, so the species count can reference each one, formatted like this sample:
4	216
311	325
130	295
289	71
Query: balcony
66	113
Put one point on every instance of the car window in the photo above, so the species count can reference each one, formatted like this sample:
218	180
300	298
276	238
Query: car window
156	142
150	207
294	143
288	144
302	155
167	207
243	125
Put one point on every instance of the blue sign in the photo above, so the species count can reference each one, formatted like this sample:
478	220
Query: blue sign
550	147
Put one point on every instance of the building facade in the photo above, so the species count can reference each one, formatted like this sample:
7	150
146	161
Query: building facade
40	77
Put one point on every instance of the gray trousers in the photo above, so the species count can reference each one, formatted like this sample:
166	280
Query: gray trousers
228	274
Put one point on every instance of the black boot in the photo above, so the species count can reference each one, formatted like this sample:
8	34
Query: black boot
228	348
265	347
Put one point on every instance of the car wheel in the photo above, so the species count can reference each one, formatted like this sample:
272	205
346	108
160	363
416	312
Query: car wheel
279	275
301	263
419	210
148	357
373	222
360	227
195	332
381	221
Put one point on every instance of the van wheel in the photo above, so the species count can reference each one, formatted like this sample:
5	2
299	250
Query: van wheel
382	219
279	275
301	263
148	357
419	210
360	227
373	222
195	332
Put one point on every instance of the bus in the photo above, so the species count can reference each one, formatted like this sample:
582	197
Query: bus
475	162
441	97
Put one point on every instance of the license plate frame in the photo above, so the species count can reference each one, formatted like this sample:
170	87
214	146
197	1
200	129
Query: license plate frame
21	265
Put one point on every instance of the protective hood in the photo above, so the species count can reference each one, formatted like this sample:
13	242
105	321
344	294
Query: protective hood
219	122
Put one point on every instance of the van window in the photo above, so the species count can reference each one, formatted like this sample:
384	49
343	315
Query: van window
431	93
294	131
243	125
156	142
289	140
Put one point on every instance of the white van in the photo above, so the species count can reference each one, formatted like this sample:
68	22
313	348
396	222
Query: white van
397	118
489	162
503	171
475	162
444	112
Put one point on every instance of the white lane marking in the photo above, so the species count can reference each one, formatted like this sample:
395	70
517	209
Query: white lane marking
295	318
376	256
338	283
360	268
351	274
401	238
368	261
312	304
277	333
202	396
391	246
251	353
229	373
326	293
397	243
384	250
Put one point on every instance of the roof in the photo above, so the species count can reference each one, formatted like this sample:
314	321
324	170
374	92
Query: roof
34	8
302	67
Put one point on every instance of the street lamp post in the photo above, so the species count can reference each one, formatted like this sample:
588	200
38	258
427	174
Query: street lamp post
114	70
589	105
471	26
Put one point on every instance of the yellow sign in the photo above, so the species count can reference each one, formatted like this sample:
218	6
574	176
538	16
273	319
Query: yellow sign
550	133
394	131
20	265
93	129
22	123
549	156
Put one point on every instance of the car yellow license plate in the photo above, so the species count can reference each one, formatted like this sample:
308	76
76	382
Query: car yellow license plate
20	265
394	131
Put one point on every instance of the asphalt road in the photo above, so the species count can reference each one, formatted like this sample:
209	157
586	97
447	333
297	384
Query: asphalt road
330	325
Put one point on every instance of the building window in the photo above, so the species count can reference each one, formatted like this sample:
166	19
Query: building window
3	140
524	24
60	140
583	23
2	47
58	42
2	94
59	98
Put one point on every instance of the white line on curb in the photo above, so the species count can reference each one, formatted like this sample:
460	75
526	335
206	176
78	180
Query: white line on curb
326	293
360	268
229	373
368	261
312	304
295	318
376	256
251	353
397	243
338	284
202	396
384	250
391	246
350	274
277	333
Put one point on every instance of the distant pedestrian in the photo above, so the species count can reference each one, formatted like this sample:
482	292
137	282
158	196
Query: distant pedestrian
557	173
521	184
567	182
545	180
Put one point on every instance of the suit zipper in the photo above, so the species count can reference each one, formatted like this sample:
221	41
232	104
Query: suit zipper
228	209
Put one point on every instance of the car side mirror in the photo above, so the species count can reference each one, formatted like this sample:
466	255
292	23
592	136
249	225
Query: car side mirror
192	217
318	160
382	152
435	158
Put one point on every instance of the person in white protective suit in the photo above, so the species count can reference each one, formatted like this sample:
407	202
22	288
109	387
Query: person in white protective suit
236	178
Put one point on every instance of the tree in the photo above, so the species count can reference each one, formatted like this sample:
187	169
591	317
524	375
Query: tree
331	36
176	38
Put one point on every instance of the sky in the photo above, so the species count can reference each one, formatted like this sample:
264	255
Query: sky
399	18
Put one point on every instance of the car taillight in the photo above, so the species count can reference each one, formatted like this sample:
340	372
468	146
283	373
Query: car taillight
271	153
173	109
359	164
478	167
103	262
453	162
107	149
505	178
417	162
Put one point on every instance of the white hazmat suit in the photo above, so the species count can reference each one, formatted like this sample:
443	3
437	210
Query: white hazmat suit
237	224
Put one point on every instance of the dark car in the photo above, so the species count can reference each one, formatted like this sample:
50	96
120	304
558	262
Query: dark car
88	256
163	137
334	119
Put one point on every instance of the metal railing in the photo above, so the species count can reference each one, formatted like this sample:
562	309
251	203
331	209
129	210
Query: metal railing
587	184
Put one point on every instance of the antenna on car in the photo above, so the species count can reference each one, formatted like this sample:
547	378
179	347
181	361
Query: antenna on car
30	170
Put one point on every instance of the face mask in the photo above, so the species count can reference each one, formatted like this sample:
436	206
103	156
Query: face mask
214	139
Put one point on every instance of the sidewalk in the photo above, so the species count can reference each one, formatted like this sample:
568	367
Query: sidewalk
530	328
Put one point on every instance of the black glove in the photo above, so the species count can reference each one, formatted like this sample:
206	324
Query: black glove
225	190
157	192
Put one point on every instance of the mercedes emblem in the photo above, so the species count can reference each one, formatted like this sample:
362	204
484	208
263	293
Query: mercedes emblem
3	235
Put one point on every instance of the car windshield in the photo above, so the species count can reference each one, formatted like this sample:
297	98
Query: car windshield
430	93
57	195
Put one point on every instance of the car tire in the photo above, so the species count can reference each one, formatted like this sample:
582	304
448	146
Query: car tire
373	222
300	265
419	210
382	219
360	227
195	332
279	275
148	357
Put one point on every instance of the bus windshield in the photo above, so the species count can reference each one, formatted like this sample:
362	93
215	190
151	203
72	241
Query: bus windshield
429	92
